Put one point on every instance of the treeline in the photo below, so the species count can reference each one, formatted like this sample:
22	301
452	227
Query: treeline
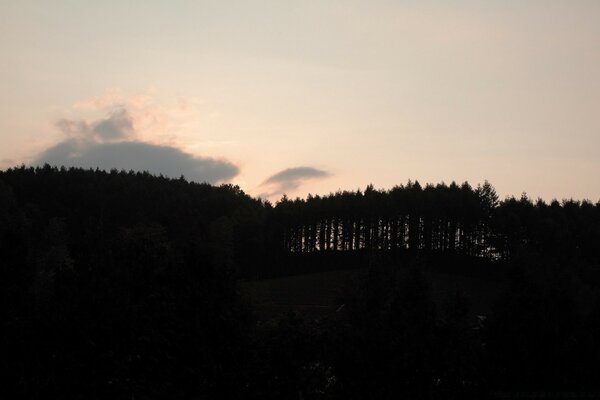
435	218
215	226
439	218
253	238
115	283
123	285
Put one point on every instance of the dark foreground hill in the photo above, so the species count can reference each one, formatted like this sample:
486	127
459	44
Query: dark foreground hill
321	295
125	285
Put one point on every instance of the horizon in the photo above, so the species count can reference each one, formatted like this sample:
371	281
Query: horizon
360	189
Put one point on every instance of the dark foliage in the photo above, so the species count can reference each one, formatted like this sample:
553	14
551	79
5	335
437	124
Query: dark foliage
120	283
452	220
123	285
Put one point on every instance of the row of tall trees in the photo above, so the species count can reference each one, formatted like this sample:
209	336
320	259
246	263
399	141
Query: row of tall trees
443	218
247	235
437	218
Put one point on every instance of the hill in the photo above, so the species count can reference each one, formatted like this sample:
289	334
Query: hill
127	285
321	294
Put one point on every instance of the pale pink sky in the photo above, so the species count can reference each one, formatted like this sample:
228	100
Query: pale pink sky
356	92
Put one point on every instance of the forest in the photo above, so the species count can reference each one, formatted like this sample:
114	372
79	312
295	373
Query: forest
118	284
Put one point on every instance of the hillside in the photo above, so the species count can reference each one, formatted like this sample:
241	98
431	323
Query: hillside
320	295
128	285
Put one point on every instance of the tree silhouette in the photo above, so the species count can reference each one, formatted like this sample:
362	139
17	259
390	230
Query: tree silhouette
120	284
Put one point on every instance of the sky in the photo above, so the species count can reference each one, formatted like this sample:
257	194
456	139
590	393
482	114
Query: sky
303	97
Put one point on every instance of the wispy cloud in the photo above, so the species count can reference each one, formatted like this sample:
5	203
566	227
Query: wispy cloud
290	179
116	97
160	118
118	125
113	142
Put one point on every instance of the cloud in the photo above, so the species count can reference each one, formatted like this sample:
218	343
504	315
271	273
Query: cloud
118	125
110	143
110	97
290	179
138	156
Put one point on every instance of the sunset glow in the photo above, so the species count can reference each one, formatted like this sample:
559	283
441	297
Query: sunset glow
347	92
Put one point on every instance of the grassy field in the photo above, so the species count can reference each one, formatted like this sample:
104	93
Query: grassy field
317	295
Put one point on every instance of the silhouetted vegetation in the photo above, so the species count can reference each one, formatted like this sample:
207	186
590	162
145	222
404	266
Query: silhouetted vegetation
124	285
445	219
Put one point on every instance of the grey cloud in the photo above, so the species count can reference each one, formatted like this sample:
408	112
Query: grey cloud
64	153
296	174
108	143
72	128
292	178
138	156
117	126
